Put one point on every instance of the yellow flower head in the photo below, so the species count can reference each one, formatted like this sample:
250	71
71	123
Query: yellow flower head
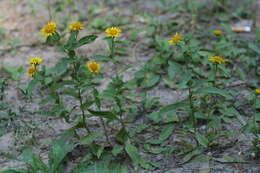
257	91
31	71
113	32
93	66
76	26
35	60
49	29
217	59
217	32
175	39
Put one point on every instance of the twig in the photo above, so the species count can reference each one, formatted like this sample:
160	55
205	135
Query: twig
49	10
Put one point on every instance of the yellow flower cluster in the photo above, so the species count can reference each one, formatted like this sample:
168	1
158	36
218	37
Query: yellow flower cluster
93	66
257	91
76	26
113	32
33	68
49	29
217	59
217	32
175	39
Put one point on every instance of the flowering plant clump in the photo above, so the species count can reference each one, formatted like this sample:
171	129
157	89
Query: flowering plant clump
76	26
92	94
34	61
49	29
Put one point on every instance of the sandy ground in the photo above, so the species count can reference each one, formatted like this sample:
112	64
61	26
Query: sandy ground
20	22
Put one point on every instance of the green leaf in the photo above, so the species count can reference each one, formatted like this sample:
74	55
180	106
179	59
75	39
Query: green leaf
122	136
104	114
90	138
101	57
175	106
254	48
132	152
96	97
150	80
55	38
31	86
13	171
34	161
202	140
166	132
117	149
213	90
14	72
191	155
155	116
71	92
174	69
58	153
97	150
84	40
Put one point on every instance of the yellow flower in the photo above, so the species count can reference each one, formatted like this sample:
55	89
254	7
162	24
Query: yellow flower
76	26
49	29
175	39
113	32
217	59
217	32
93	66
31	71
257	91
35	60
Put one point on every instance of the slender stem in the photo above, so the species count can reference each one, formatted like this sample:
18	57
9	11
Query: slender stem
82	110
49	10
215	75
112	48
255	123
105	129
192	116
104	125
80	99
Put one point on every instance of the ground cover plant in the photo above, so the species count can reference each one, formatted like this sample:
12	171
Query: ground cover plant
164	94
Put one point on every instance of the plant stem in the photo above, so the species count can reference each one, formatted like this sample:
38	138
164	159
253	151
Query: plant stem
112	48
82	110
192	116
80	99
105	130
215	74
255	123
49	10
